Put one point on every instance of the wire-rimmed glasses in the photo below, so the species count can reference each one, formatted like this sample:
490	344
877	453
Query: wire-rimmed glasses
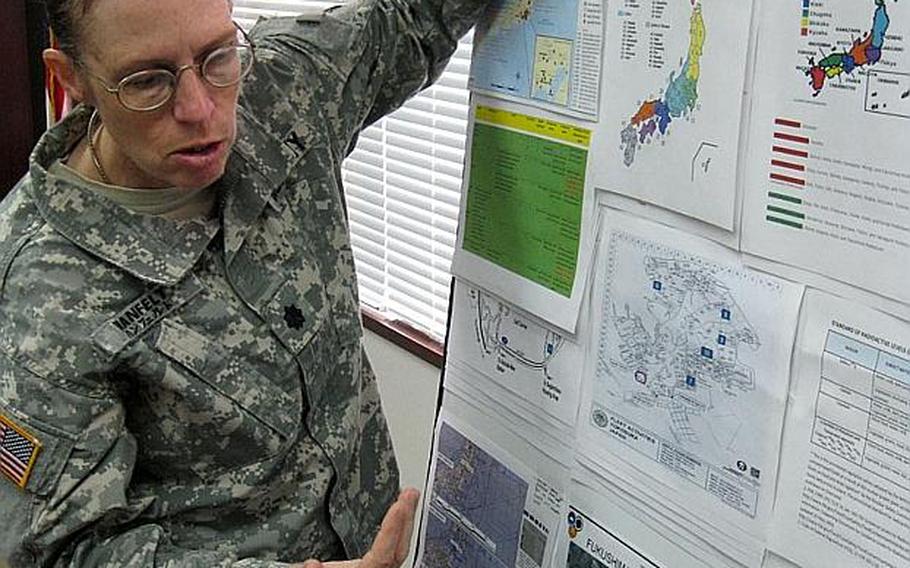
151	89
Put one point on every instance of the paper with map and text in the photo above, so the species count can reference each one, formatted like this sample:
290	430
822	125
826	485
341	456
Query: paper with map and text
602	528
493	499
844	497
517	351
689	372
672	106
827	184
541	52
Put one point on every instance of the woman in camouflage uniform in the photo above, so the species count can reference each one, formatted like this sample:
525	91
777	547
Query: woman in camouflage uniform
182	380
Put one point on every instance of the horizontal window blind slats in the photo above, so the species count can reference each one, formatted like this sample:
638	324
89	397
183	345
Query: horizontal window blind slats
418	242
436	256
367	148
414	298
434	106
454	94
373	133
415	318
371	267
433	195
419	307
361	159
369	270
407	120
354	178
413	249
373	251
365	213
434	180
430	141
375	287
368	297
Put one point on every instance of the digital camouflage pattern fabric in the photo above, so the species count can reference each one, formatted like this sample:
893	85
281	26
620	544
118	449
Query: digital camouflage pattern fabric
199	389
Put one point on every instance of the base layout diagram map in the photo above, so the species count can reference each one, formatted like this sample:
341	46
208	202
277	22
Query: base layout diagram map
692	362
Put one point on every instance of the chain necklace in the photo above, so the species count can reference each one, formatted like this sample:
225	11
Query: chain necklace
91	146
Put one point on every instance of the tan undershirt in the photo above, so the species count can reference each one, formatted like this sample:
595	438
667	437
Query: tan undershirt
170	202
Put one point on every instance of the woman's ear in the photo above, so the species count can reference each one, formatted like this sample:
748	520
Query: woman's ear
63	68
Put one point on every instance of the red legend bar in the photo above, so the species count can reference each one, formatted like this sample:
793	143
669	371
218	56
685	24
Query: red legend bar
791	137
790	151
787	122
788	165
788	179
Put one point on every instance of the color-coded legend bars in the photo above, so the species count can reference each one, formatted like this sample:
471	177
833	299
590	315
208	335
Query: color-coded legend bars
804	21
789	152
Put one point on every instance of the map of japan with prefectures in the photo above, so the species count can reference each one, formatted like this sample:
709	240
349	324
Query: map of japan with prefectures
654	116
864	52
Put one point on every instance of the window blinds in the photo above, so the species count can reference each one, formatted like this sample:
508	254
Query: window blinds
403	188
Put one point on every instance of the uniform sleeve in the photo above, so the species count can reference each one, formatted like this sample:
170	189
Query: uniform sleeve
353	64
77	507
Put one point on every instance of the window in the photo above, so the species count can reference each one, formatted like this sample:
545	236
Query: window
403	187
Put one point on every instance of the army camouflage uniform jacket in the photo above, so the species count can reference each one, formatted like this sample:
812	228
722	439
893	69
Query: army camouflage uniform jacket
198	390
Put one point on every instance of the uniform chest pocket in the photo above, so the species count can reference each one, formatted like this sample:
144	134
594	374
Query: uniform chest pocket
214	410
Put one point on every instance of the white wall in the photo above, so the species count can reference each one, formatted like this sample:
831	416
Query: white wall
409	388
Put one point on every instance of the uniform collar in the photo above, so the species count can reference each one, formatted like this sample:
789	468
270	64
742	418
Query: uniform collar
151	248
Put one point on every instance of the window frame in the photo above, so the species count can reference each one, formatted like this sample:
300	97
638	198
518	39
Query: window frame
403	335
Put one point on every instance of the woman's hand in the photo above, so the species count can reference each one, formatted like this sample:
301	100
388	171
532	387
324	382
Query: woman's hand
390	547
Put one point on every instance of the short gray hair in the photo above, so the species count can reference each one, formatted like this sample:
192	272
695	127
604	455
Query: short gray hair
66	18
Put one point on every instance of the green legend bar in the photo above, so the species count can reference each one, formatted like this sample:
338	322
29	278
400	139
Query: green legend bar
786	222
783	211
784	197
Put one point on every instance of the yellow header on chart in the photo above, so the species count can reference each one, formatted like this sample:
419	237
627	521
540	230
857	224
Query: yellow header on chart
534	125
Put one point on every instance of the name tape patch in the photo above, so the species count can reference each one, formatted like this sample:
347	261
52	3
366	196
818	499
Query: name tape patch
142	314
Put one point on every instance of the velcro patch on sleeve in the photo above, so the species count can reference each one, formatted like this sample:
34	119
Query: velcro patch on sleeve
18	452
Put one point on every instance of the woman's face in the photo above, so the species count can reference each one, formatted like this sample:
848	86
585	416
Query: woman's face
185	143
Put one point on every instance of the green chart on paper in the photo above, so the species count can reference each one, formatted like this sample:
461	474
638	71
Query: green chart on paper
526	195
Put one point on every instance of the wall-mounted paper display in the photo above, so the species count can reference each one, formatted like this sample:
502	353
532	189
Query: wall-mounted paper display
827	176
671	112
542	52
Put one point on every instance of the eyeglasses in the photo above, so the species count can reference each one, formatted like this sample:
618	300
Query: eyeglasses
151	89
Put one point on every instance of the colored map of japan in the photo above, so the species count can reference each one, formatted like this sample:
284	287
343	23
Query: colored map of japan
865	52
654	116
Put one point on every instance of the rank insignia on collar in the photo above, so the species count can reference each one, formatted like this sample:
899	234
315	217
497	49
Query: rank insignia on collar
294	317
18	452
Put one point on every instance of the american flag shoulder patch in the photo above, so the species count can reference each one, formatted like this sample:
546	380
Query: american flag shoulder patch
18	452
